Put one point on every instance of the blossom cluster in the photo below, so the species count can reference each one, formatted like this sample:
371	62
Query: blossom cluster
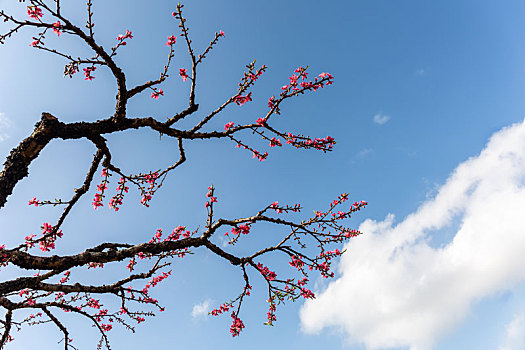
228	126
237	325
116	200
147	192
183	74
56	28
240	100
101	188
237	231
269	275
171	40
157	93
88	71
3	256
121	41
47	241
147	183
155	280
287	208
299	141
176	233
223	308
209	195
122	37
297	85
34	12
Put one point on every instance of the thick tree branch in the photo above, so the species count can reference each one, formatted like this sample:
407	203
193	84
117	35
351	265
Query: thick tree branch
17	163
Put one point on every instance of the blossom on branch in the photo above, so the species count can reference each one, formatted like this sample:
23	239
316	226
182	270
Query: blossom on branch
171	40
57	27
307	246
156	94
34	12
88	71
183	74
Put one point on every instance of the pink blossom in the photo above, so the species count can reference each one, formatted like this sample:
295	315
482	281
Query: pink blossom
259	156
269	275
275	142
307	294
325	75
221	33
236	326
145	199
66	277
97	201
183	74
35	42
46	227
87	72
240	100
34	12
227	126
122	37
56	28
93	303
102	187
296	262
156	94
171	40
47	246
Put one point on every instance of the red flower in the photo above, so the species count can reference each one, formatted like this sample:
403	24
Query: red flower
35	42
240	100
56	28
122	37
275	142
156	94
236	326
34	12
227	126
171	40
87	72
183	74
269	275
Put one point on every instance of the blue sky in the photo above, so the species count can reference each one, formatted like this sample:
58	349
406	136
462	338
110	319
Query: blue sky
427	110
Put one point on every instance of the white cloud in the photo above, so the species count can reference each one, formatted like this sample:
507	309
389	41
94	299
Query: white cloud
515	337
201	310
364	152
381	119
398	291
5	123
420	72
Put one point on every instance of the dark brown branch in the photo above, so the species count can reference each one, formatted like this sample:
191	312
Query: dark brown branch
79	192
17	163
122	94
58	324
7	328
138	89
